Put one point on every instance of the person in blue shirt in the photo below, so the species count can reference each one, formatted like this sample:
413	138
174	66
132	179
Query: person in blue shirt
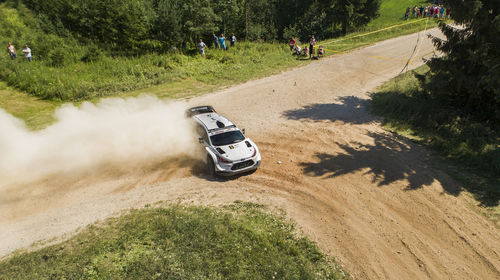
222	40
216	41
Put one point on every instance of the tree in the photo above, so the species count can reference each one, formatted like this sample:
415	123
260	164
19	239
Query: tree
468	75
353	13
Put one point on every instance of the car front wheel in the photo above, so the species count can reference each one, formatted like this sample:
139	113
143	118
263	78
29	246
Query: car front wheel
210	166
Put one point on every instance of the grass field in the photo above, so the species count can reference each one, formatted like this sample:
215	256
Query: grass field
66	78
239	241
392	10
469	149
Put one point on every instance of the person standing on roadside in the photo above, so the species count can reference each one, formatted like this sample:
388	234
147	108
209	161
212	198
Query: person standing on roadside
27	53
222	40
292	43
216	41
202	47
312	42
12	51
233	41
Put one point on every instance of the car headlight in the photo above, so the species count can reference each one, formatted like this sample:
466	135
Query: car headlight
223	160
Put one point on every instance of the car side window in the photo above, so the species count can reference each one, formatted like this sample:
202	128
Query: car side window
202	133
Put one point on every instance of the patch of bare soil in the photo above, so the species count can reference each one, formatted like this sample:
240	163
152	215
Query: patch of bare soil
369	198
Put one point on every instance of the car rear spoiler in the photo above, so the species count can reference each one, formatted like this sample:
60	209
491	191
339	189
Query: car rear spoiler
199	110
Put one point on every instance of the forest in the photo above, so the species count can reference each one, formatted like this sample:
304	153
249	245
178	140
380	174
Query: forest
140	26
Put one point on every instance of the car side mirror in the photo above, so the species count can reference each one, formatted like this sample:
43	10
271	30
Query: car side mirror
243	131
201	140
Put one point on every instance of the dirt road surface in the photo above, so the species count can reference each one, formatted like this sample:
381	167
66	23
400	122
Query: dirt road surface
369	198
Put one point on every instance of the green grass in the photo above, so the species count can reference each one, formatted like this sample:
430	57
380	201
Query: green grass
392	11
36	113
469	149
239	241
109	76
391	14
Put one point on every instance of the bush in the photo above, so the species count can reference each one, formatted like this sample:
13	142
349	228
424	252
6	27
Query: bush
57	57
92	54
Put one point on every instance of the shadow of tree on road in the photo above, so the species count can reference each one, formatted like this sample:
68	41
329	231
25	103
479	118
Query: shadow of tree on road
389	160
350	109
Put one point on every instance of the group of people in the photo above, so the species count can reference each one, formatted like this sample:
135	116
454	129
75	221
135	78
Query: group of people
219	43
435	10
308	50
12	52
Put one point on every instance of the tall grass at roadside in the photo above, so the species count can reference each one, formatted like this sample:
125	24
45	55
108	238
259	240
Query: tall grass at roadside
472	146
107	76
239	241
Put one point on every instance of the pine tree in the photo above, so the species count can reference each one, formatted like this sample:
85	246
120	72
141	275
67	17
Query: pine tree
467	76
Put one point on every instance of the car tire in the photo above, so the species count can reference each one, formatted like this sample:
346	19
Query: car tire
210	167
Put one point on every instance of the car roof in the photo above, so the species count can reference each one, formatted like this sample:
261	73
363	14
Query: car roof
214	122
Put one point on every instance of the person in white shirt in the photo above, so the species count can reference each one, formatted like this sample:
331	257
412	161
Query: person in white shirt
202	47
12	51
27	53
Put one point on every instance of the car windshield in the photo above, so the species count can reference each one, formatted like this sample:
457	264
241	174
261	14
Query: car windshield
227	138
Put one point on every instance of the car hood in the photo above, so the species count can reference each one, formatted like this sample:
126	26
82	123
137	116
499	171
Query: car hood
237	151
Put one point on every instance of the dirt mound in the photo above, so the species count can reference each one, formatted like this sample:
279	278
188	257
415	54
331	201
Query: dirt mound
369	198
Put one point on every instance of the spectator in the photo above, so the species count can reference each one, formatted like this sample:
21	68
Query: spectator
298	50
202	47
414	12
312	42
27	53
233	40
306	51
321	51
441	12
222	41
292	43
407	13
216	41
12	51
448	13
421	11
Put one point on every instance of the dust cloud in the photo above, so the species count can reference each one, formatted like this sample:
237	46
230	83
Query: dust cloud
114	131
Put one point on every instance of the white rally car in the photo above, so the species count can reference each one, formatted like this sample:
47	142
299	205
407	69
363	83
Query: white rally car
229	152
